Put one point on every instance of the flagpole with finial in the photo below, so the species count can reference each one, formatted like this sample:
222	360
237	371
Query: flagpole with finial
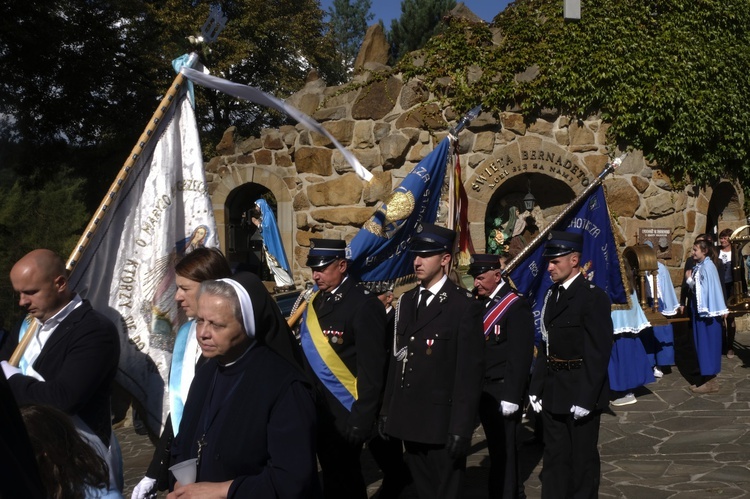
209	32
539	239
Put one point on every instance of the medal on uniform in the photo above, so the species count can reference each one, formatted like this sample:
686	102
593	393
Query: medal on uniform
429	345
340	337
334	339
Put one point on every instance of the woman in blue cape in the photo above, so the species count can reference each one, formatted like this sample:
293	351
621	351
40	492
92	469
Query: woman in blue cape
707	310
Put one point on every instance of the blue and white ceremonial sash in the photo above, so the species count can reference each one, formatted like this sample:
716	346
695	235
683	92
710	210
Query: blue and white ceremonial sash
184	357
327	365
496	313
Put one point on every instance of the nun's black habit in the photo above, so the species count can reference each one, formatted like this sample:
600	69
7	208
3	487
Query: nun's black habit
256	415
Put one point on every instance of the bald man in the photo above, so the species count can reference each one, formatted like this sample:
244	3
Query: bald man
72	359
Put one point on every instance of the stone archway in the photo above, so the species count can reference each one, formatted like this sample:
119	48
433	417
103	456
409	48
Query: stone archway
553	174
225	203
724	208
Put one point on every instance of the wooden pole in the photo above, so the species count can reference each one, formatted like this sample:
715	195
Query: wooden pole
110	197
122	176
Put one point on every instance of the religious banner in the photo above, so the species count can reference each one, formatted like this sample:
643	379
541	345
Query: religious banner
162	212
379	251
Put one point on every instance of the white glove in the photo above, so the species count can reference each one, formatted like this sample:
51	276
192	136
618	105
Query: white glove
9	370
536	404
144	487
579	412
508	408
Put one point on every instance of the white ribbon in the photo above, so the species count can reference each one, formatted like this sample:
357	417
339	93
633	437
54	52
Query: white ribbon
257	96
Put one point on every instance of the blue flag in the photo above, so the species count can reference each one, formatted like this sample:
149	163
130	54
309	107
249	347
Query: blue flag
379	250
600	262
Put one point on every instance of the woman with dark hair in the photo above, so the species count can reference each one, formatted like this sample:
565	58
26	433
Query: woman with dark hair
69	467
707	308
250	417
200	265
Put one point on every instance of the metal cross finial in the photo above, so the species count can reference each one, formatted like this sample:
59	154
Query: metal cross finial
213	25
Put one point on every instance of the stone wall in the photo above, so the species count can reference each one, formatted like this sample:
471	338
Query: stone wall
390	124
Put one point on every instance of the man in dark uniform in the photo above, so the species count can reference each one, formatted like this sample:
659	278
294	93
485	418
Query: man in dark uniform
569	385
435	379
509	347
343	338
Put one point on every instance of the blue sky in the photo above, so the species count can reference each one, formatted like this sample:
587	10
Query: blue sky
391	9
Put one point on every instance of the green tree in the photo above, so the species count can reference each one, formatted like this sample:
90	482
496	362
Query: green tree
669	77
51	216
269	45
419	21
348	27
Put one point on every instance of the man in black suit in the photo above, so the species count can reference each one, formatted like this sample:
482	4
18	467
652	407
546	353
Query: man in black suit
343	339
509	347
72	359
569	384
435	379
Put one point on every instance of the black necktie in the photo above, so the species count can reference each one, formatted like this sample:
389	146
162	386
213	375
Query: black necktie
425	295
560	293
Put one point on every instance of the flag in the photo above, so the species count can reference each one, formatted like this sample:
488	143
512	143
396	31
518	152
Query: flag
600	262
461	216
162	211
379	251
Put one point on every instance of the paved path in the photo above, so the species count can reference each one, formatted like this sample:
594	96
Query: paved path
670	444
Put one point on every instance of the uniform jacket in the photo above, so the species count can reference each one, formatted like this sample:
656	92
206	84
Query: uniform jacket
509	346
439	391
263	438
79	363
356	318
578	327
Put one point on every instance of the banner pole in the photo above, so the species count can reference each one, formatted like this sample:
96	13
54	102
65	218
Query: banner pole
122	176
110	197
521	256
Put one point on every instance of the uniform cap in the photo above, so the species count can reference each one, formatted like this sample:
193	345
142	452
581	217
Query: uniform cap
431	238
324	252
561	243
481	263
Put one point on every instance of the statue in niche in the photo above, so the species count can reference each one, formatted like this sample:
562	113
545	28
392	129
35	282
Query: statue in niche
510	232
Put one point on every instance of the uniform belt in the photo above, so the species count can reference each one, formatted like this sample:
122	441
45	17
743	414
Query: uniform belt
564	365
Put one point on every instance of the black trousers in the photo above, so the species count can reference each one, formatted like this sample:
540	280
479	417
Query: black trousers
436	475
340	462
571	468
501	443
389	455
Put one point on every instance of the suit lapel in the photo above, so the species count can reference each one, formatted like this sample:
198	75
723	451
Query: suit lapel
62	330
328	306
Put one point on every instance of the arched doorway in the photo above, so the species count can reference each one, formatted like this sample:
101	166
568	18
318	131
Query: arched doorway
520	208
724	209
244	245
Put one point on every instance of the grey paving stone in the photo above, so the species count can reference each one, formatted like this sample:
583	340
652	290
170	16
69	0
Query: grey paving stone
671	444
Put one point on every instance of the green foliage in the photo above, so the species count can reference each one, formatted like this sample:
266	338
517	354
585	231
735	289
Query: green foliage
52	216
670	76
348	27
419	21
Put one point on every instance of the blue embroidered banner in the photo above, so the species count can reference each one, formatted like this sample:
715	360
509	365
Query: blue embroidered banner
599	260
378	251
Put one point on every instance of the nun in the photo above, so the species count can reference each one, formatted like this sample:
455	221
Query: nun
249	420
